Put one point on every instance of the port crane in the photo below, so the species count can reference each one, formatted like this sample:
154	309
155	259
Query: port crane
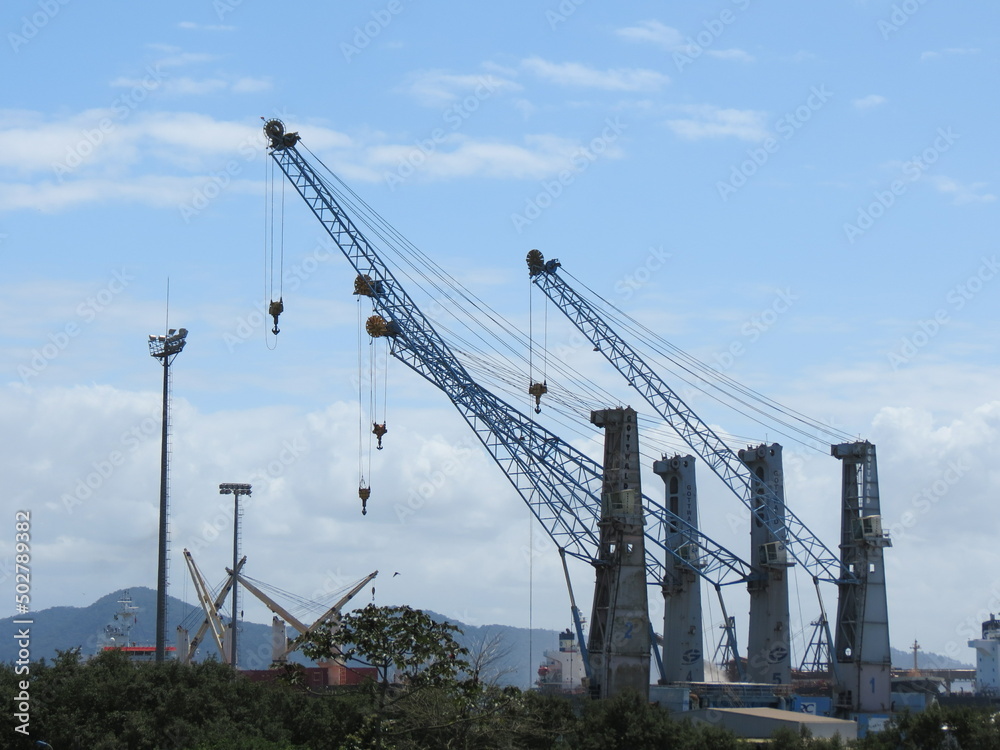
807	549
862	632
560	485
331	616
210	605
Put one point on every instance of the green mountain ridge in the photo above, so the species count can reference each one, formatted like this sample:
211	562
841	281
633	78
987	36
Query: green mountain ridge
519	651
62	628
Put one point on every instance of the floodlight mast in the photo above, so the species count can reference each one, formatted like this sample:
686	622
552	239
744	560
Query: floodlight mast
236	490
164	347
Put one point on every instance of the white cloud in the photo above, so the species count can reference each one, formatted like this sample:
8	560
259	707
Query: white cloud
188	86
178	58
150	190
734	54
437	88
525	107
248	85
672	40
654	32
160	158
869	102
801	56
932	55
185	86
88	470
963	193
191	26
579	75
709	121
460	156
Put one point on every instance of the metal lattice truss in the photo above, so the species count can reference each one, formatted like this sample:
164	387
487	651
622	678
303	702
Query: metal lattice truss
801	543
561	485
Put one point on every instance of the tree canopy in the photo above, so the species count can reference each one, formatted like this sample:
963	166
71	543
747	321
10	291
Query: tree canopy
430	694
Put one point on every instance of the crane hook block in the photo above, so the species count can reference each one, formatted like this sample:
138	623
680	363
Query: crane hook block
536	262
364	493
378	430
538	390
365	285
274	310
377	327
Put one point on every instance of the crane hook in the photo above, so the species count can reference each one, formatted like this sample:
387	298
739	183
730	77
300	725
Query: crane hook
274	311
538	390
379	430
364	493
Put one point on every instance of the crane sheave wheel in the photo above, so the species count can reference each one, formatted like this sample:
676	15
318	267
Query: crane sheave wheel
274	129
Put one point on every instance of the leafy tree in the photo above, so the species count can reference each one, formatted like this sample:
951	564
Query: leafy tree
112	702
629	722
429	693
937	727
405	645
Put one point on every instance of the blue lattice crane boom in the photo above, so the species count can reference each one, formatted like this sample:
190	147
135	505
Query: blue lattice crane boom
808	550
561	485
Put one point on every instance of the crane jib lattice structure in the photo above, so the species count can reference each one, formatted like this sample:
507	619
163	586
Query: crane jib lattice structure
862	661
561	485
801	544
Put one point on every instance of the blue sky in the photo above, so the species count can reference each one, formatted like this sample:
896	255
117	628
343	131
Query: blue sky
802	196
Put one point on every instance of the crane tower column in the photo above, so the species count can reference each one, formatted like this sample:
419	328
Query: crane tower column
619	628
769	657
683	650
861	647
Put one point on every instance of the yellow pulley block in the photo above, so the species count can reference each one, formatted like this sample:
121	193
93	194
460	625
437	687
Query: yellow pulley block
377	327
366	286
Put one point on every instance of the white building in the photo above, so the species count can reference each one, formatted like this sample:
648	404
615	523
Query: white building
988	658
563	670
